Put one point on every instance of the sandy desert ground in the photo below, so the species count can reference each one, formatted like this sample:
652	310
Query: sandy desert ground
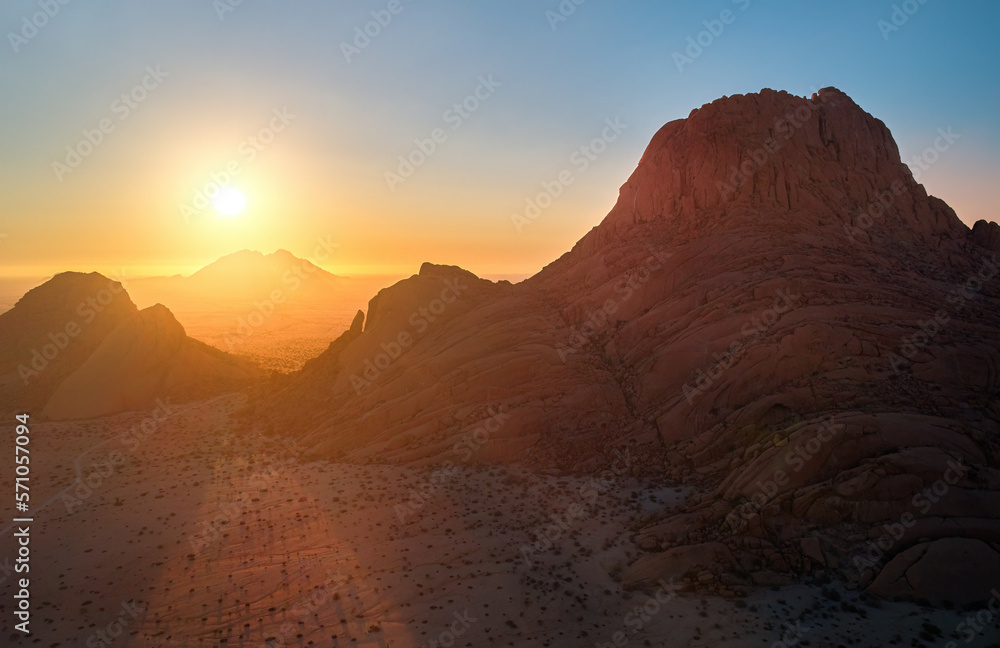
196	531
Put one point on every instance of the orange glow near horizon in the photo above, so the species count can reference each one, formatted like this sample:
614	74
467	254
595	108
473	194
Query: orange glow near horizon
295	195
156	219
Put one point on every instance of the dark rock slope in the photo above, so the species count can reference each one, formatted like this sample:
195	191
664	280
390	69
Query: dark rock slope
774	310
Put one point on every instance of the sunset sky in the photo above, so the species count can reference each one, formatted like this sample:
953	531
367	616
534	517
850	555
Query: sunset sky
217	75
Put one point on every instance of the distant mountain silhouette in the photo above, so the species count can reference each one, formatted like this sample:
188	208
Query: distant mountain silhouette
244	277
277	309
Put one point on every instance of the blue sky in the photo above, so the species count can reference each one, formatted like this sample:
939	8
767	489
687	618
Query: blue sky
326	174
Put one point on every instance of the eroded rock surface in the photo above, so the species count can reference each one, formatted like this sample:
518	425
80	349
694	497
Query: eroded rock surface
775	310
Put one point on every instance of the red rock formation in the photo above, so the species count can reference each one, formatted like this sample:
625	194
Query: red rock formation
51	331
987	235
774	309
76	347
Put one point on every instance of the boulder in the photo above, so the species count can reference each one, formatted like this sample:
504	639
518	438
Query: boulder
677	564
958	571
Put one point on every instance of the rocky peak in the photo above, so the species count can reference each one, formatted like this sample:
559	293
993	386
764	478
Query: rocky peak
436	286
67	289
987	235
428	269
159	322
775	159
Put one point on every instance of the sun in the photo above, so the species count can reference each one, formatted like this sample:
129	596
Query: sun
230	202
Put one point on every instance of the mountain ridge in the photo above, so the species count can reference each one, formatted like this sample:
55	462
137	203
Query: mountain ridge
664	332
52	344
774	311
243	276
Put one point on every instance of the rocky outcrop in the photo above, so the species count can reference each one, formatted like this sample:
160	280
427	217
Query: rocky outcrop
987	235
52	331
774	310
77	347
148	357
953	571
823	160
